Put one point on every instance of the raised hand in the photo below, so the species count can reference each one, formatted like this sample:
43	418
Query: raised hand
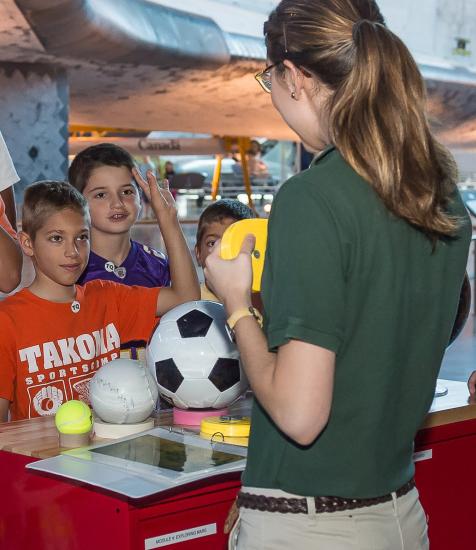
160	197
184	281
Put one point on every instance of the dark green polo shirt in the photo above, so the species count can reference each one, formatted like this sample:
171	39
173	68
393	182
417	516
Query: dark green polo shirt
342	273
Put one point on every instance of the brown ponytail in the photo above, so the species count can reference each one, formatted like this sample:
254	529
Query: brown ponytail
377	108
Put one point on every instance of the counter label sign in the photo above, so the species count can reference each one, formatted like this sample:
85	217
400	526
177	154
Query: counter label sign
423	455
180	536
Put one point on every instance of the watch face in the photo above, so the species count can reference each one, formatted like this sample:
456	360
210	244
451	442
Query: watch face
109	267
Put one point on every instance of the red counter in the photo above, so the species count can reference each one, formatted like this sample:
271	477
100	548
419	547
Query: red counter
445	454
45	513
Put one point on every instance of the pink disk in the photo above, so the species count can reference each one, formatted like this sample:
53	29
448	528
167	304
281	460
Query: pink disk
193	417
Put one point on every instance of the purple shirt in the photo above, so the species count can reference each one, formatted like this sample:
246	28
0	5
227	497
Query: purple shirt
144	266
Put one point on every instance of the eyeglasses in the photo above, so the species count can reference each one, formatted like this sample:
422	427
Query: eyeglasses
264	78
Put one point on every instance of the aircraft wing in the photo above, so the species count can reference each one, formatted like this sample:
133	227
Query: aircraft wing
182	65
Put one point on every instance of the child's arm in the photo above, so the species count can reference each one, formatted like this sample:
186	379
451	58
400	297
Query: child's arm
10	269
8	197
472	384
184	281
4	407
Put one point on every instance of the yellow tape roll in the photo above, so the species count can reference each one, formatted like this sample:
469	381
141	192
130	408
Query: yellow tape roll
233	239
229	426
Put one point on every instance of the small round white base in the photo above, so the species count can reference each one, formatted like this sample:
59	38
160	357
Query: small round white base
115	431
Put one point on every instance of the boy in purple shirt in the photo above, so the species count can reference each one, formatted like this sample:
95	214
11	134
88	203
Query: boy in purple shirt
103	174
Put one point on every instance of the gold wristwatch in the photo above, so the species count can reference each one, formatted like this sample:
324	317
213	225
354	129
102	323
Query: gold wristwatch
239	314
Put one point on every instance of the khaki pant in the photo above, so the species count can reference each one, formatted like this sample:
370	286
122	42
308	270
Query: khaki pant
399	524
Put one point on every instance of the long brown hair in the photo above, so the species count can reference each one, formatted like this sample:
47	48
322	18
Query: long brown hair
377	103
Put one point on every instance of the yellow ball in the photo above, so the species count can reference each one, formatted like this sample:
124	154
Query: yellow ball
74	417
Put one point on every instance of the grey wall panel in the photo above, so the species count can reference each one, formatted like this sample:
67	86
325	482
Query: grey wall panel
34	120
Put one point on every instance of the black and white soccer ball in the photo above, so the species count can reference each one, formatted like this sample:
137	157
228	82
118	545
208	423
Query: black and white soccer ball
194	360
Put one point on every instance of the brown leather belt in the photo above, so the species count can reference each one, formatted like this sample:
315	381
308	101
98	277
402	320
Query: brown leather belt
323	504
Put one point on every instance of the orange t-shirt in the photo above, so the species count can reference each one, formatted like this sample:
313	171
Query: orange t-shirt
4	222
48	352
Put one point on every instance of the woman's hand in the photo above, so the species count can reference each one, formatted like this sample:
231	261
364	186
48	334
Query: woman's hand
160	197
231	280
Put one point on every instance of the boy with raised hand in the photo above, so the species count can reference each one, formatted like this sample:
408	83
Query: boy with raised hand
103	173
54	335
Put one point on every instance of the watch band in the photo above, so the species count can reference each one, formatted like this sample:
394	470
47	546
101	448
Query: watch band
244	312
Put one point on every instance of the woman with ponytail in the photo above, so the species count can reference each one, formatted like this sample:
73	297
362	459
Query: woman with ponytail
366	255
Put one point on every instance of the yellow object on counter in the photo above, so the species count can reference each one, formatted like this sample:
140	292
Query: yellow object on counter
228	426
74	417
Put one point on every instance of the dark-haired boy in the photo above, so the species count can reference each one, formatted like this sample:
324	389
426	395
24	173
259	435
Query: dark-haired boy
103	174
212	223
55	334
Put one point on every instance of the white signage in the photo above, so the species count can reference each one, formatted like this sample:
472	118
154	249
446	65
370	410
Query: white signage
423	455
152	146
180	536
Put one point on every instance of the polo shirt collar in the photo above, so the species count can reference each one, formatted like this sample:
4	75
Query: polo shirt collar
322	154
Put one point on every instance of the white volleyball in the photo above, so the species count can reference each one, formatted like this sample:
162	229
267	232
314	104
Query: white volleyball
123	392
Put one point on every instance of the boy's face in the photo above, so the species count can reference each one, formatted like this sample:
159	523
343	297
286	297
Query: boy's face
113	199
213	232
60	249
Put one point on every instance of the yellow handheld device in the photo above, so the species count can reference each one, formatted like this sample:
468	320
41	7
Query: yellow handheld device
233	239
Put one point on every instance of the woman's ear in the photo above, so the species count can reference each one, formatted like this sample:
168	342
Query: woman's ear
26	243
294	79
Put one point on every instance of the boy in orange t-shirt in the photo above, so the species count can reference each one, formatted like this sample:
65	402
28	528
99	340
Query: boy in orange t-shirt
55	334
